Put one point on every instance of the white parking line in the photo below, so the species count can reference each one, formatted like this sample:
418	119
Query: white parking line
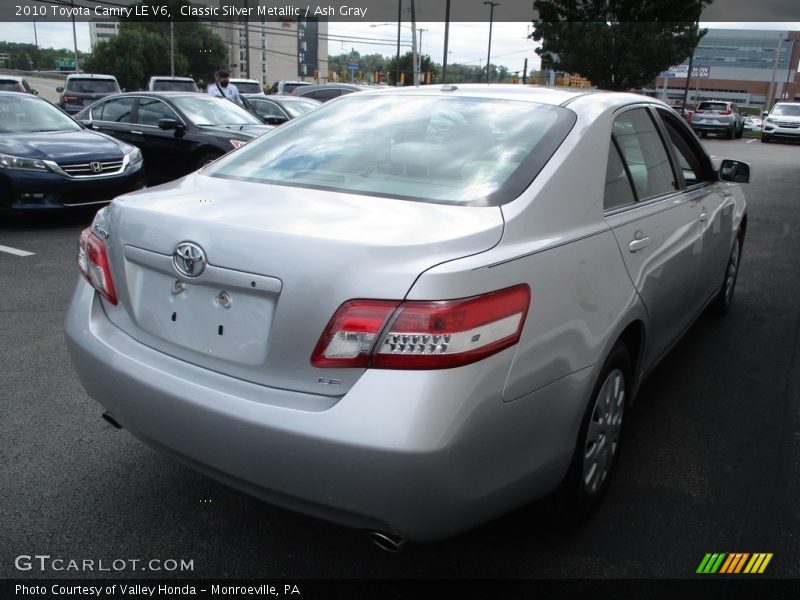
751	141
15	251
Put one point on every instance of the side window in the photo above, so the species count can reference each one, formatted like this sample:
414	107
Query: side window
323	95
692	160
644	154
618	190
268	109
152	109
114	111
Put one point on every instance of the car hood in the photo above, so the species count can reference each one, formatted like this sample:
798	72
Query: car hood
288	257
62	146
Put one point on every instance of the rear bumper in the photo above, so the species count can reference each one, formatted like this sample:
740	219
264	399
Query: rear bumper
424	454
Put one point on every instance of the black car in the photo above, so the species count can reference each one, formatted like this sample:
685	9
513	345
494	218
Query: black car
177	132
328	91
275	110
49	161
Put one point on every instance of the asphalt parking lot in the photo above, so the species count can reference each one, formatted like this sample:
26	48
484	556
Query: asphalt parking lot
711	461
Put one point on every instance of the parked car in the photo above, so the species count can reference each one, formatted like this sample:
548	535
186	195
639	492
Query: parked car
328	91
276	110
719	118
177	132
248	87
752	123
48	161
11	83
286	87
82	89
421	320
782	122
163	83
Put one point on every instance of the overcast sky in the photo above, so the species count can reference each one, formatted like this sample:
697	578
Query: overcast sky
467	41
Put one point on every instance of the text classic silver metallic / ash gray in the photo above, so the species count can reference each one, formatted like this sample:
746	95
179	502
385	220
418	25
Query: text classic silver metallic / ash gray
410	311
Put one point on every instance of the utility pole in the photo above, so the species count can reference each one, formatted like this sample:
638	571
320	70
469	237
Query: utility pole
74	35
172	48
399	22
414	65
446	38
771	90
489	54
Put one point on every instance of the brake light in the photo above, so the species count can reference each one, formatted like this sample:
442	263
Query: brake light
66	98
726	112
422	334
93	263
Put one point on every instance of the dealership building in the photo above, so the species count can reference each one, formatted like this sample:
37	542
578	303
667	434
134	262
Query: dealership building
749	67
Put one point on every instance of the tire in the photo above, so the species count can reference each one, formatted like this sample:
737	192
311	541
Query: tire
722	303
206	158
740	132
764	139
732	133
703	134
598	444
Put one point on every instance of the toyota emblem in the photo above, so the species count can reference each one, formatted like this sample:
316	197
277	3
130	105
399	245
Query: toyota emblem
189	259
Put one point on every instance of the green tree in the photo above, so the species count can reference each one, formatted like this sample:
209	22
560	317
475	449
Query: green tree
407	67
616	44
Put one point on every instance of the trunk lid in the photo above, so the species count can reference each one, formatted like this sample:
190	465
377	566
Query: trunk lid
280	261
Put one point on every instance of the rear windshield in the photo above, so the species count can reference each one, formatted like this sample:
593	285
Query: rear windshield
450	150
166	85
288	88
249	88
719	106
92	86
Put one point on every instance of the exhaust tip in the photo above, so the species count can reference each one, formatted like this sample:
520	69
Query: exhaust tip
387	542
108	418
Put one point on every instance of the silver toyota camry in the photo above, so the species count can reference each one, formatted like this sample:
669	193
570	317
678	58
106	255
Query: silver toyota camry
411	311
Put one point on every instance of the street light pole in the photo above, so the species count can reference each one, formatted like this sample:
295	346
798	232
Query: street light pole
399	19
491	18
414	66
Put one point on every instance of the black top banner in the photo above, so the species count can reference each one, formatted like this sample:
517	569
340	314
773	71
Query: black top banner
344	10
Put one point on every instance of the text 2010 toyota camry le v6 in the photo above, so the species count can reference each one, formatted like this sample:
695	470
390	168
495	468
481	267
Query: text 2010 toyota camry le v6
420	320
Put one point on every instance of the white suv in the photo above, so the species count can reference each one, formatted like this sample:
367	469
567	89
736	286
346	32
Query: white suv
174	84
782	122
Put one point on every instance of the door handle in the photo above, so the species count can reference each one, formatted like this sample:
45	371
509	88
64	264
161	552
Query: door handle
639	243
704	216
136	132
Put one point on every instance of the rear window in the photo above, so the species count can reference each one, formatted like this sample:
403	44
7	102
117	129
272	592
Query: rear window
720	106
167	85
449	150
288	88
248	88
92	86
10	86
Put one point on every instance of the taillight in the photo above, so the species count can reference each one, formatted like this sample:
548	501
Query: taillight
726	112
66	98
93	262
422	334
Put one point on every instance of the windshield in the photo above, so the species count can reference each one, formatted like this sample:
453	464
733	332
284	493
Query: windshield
27	114
295	109
92	86
248	87
786	110
166	85
211	110
451	150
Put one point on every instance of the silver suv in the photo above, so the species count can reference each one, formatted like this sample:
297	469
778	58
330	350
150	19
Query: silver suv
82	89
718	117
782	122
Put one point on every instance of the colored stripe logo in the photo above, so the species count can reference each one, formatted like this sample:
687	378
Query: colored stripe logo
734	563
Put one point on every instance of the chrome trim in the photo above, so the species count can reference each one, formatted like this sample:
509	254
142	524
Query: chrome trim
107	164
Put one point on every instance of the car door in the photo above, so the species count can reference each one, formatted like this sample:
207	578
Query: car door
716	203
114	117
168	154
655	224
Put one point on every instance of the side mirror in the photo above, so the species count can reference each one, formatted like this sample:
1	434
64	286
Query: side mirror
735	171
764	114
167	124
275	120
35	92
60	89
124	89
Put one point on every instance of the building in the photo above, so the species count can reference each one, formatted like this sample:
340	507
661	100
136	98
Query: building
264	48
748	67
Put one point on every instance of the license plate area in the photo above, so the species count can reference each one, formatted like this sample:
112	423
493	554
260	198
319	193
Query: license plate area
225	314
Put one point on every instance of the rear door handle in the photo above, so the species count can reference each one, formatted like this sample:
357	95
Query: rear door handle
136	132
704	215
639	243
